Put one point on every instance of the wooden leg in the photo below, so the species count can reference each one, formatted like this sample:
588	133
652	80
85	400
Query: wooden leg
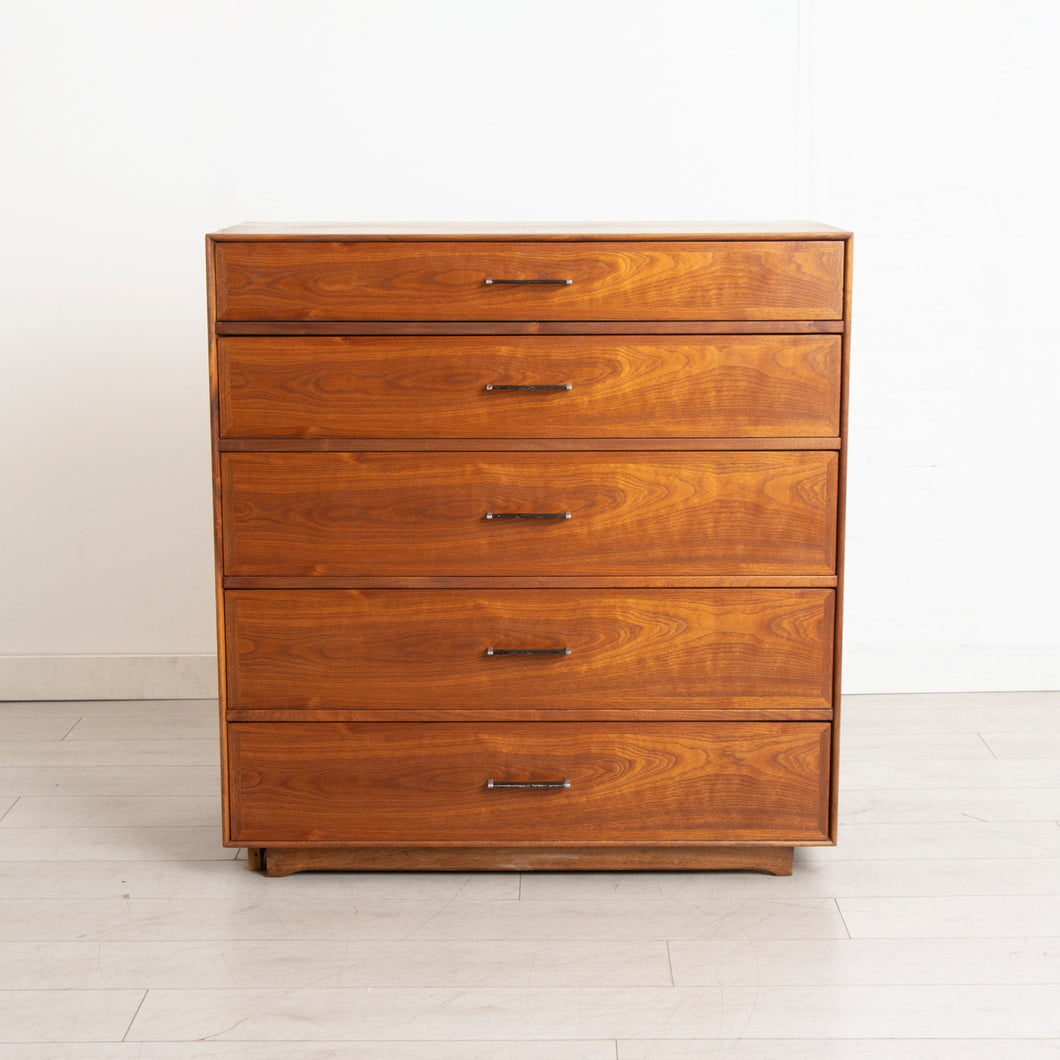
255	858
776	861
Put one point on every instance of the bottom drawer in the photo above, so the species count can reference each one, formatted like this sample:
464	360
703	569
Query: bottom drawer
441	784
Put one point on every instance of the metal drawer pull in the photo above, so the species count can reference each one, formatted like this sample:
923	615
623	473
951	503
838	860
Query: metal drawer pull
528	651
565	283
531	386
564	783
527	515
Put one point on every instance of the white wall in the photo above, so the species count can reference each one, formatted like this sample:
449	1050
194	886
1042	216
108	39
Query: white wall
926	126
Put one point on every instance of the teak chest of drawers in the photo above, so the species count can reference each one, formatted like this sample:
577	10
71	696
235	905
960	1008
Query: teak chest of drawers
529	543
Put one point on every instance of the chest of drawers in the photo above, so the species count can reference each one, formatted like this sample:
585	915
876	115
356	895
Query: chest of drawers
529	543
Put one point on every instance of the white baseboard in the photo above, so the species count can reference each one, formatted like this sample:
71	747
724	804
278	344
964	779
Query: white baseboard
866	670
58	677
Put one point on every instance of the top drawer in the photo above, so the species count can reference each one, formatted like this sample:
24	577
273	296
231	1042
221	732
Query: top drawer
752	280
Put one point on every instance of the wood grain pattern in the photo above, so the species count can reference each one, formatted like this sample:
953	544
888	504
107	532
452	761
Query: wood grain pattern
679	649
782	280
282	861
614	581
215	467
844	457
326	514
633	386
528	327
526	445
567	710
426	785
701	454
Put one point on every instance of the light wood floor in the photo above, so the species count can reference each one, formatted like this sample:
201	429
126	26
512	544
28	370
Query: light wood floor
933	930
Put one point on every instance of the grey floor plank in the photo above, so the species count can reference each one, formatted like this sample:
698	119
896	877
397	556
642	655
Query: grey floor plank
930	931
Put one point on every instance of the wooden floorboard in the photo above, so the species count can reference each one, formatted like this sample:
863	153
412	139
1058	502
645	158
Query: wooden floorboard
932	929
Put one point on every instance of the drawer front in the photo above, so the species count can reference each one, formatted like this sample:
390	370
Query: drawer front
753	280
449	514
428	785
724	386
641	649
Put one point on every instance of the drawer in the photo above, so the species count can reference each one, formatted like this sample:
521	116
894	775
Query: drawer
525	513
752	280
674	386
615	650
429	785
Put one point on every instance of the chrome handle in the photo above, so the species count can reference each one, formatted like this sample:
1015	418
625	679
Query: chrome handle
532	386
528	651
564	283
564	783
527	515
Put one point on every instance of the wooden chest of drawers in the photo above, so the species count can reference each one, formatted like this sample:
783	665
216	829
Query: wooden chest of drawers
529	543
